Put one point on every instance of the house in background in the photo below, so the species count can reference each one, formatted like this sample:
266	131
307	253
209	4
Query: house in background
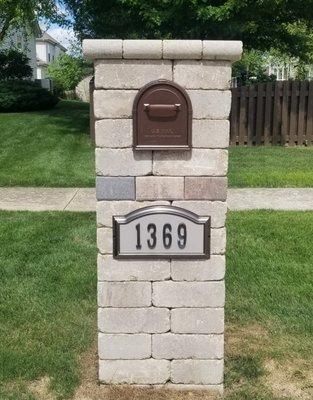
24	40
47	49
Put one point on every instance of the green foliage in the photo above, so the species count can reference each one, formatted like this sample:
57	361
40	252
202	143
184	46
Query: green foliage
14	65
25	13
251	68
24	96
67	71
283	24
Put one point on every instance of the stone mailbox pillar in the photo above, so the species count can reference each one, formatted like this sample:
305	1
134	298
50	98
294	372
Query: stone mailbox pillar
161	321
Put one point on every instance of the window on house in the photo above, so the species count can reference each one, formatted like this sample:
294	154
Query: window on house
49	57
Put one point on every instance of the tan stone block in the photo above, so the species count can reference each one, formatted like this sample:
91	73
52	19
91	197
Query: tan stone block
197	320
141	372
206	188
192	74
210	104
197	162
134	320
130	74
153	187
203	372
113	103
188	294
199	270
179	346
110	269
124	294
124	346
123	162
114	133
210	134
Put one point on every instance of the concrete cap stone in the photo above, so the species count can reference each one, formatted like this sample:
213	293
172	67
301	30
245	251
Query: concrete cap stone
229	50
226	50
142	49
102	48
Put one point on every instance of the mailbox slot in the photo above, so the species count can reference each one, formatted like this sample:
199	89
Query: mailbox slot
162	117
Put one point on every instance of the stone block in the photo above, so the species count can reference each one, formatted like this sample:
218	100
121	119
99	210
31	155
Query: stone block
210	133
130	74
198	372
141	372
152	187
229	50
172	346
102	48
210	104
216	209
205	188
106	209
188	294
110	269
142	49
123	162
182	49
218	241
117	188
199	270
124	294
105	240
192	74
124	347
197	162
114	133
113	103
197	320
134	320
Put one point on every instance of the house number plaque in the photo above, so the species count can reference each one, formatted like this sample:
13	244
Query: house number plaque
161	232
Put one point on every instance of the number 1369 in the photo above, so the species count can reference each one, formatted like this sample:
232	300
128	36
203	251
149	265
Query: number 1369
151	235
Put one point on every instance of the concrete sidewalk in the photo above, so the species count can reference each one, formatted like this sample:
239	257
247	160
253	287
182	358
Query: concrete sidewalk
84	199
48	199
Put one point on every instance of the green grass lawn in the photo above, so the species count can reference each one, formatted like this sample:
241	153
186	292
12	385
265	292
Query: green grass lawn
48	307
270	167
47	148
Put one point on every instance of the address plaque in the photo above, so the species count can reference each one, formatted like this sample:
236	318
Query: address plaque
161	232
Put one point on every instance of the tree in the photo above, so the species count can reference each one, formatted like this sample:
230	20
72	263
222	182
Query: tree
283	24
14	65
67	71
26	13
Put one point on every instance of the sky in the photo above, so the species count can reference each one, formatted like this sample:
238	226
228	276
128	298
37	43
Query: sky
64	35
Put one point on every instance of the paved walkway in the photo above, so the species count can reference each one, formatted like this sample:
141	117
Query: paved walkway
84	199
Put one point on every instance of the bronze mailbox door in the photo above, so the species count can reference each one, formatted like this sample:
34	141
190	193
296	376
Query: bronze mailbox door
162	117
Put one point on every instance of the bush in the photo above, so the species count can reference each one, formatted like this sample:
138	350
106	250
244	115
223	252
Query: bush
24	96
14	65
66	72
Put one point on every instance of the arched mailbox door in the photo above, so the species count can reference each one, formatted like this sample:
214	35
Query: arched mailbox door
162	117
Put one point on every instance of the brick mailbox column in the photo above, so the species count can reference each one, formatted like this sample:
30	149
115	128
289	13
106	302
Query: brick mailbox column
161	321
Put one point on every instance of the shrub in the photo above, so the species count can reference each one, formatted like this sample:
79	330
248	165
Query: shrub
14	65
24	96
66	72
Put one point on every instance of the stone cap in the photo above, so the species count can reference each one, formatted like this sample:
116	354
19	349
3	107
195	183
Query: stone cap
226	50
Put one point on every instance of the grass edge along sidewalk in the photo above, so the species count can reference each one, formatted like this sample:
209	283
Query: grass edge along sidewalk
48	308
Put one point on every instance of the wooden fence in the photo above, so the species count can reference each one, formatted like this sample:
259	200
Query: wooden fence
272	114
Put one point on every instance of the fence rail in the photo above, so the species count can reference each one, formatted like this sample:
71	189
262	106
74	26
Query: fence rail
272	114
